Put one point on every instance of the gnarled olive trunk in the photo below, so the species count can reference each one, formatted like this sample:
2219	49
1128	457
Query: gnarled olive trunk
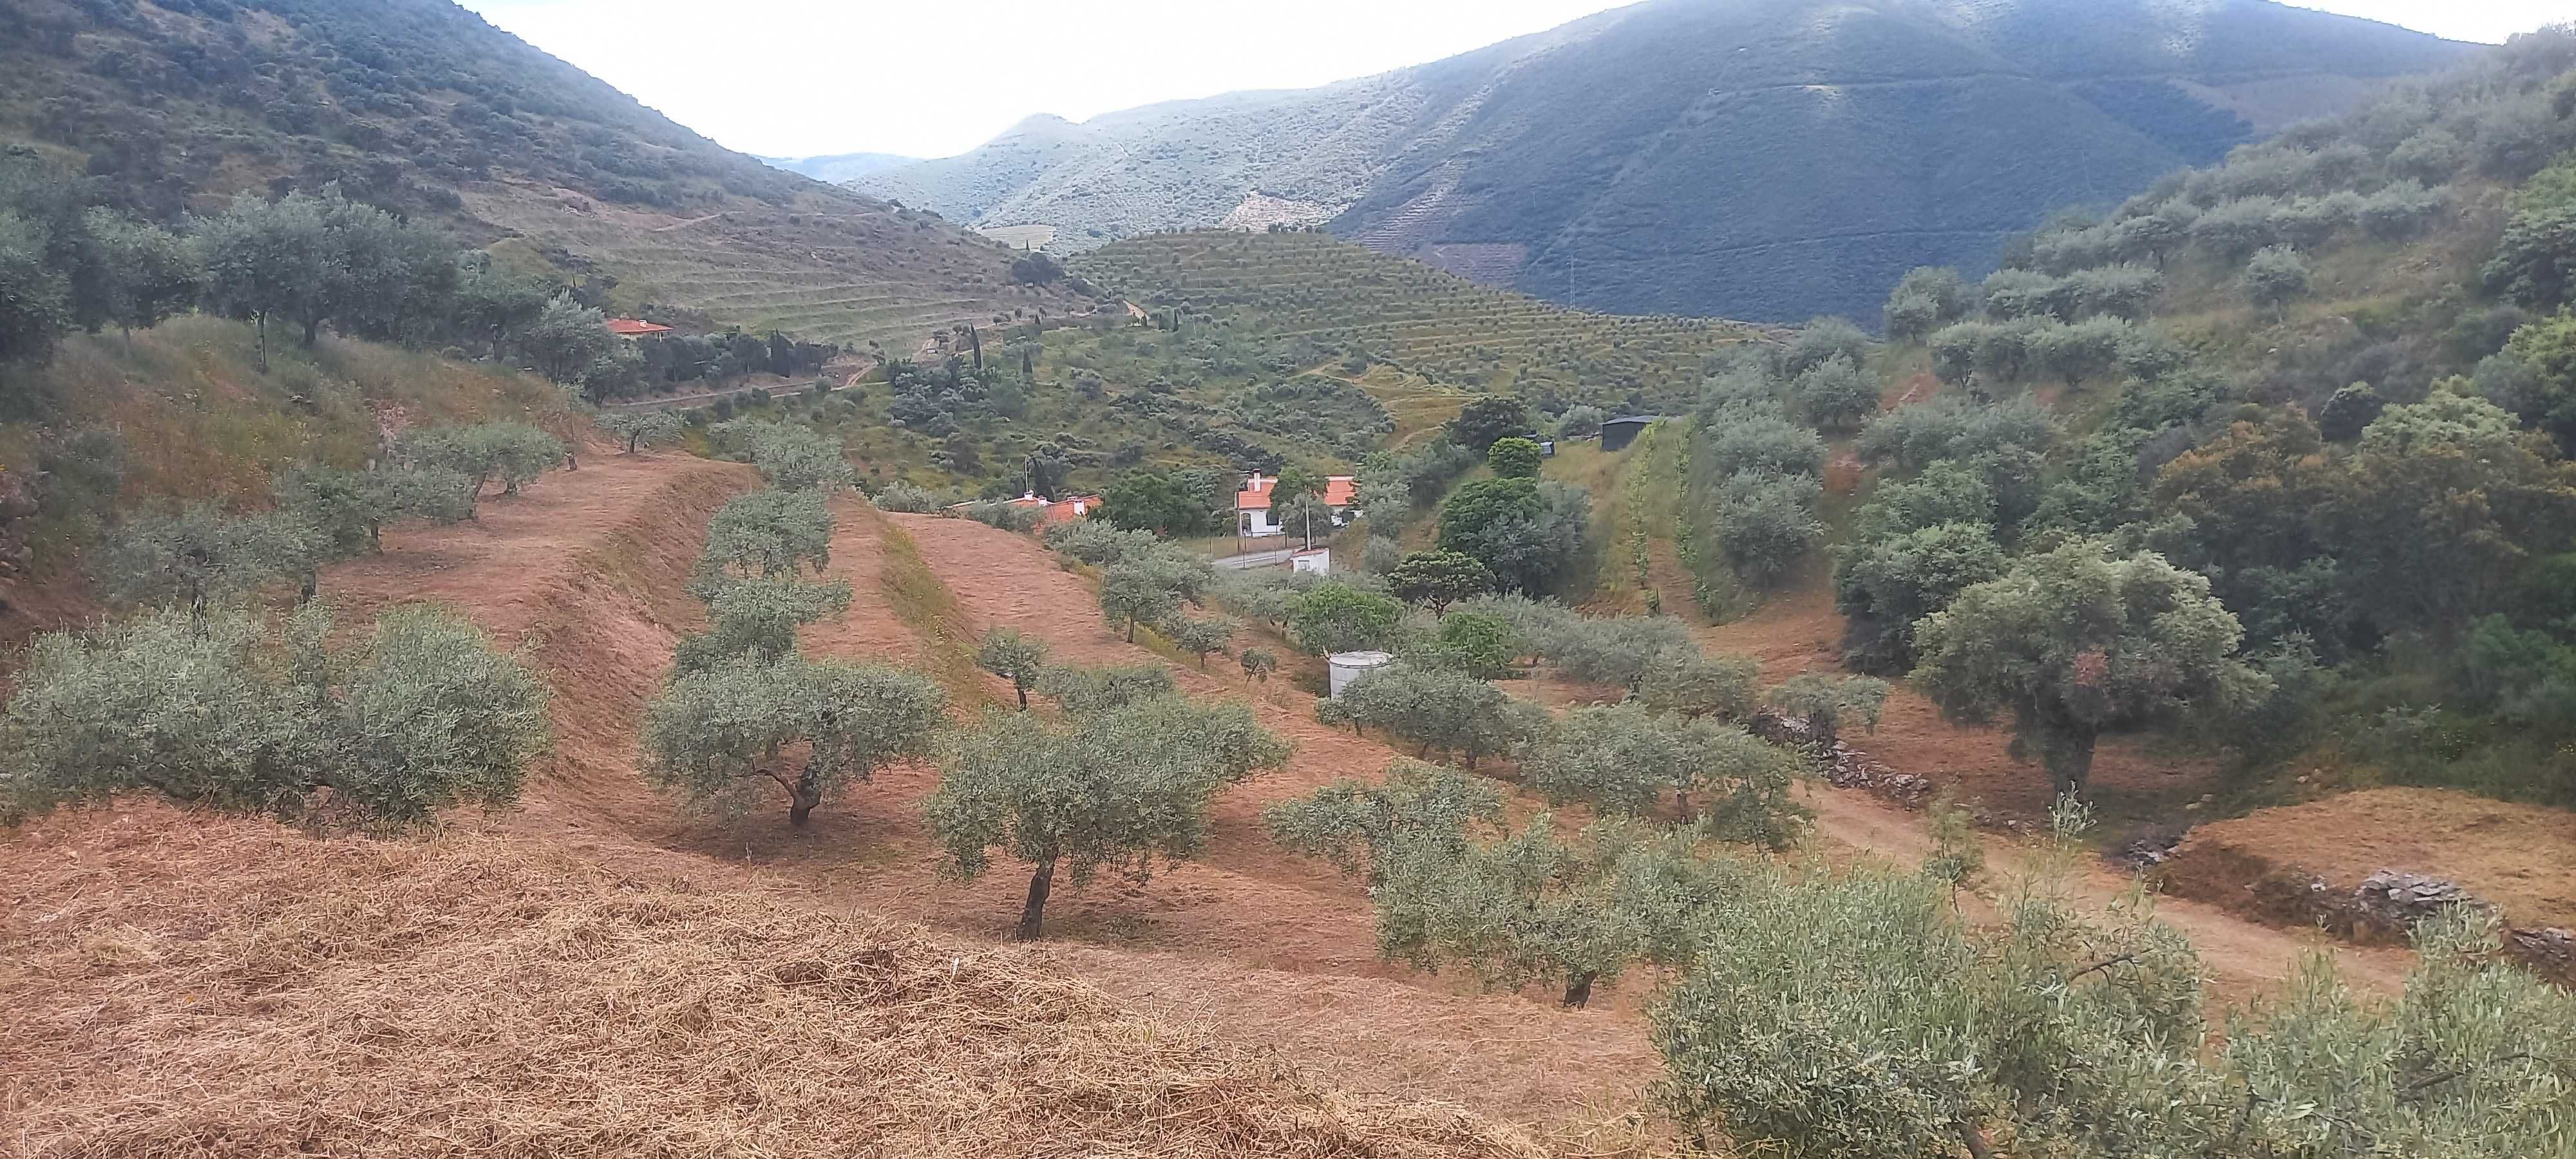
1578	989
1033	914
802	797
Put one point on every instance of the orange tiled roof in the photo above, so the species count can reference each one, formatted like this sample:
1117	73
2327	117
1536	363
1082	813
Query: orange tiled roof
635	327
1339	491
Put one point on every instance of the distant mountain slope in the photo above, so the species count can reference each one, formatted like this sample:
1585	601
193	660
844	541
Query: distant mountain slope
421	106
838	167
1766	159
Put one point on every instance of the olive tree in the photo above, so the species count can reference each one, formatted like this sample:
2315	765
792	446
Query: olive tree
1624	758
512	453
1014	656
1437	579
197	556
2274	277
1855	1013
1825	701
1340	618
2075	642
1451	886
1136	593
1199	637
1679	680
636	429
350	509
1766	524
790	457
757	619
1480	644
243	713
1258	664
1102	689
1435	709
1113	789
432	715
722	738
1836	394
767	534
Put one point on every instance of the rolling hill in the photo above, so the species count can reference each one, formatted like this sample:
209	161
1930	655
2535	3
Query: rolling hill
422	107
1771	160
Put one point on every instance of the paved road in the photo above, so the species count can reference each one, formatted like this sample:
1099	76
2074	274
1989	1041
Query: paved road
1252	560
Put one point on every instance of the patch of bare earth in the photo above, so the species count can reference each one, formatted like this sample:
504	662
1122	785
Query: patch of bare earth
2518	858
187	986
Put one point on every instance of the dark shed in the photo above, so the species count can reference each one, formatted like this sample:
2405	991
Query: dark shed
1616	434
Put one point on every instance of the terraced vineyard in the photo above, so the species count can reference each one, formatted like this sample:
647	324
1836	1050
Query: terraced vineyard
826	268
1408	315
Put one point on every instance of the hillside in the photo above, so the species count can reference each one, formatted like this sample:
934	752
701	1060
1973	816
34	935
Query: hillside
1345	298
422	107
1770	161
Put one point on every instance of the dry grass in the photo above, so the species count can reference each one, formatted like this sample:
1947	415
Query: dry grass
188	987
926	606
2522	858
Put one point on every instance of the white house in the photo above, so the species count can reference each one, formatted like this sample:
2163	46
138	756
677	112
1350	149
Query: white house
1253	516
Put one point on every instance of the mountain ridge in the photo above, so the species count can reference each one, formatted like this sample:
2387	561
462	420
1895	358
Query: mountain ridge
1602	163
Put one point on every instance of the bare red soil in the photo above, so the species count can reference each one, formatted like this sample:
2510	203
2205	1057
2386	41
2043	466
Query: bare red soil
2520	858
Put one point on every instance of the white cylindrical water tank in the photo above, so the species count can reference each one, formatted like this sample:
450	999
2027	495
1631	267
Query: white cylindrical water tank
1350	666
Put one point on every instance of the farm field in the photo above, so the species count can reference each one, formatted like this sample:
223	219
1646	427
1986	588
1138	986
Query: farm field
1261	946
1414	317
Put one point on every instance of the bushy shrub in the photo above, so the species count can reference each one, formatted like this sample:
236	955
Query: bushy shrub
1766	524
1823	339
905	497
238	712
1835	395
1738	441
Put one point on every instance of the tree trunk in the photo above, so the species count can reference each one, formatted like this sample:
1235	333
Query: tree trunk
1131	629
1578	990
312	332
1979	1147
1023	690
2066	751
802	798
1033	914
261	322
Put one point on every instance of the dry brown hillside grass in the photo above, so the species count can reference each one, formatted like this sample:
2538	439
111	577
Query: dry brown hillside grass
185	986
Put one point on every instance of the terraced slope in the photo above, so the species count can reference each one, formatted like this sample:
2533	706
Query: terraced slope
1412	316
424	108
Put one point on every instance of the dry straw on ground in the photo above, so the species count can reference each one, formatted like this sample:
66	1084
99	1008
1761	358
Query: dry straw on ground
232	988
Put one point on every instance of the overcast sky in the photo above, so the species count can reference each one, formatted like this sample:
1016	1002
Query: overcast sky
805	77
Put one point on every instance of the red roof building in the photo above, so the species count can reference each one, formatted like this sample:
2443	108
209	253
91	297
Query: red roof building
1252	502
635	328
